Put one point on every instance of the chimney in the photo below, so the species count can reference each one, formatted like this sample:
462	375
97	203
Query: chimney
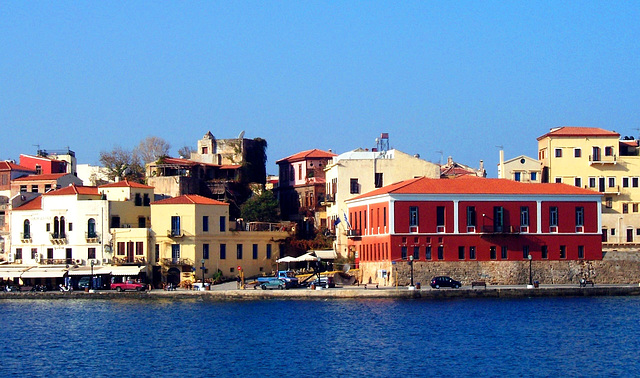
449	161
501	169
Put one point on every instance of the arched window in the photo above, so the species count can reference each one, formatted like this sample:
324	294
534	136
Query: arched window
62	228
26	229
91	228
56	227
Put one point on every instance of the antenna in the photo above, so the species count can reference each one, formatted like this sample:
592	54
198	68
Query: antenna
441	156
500	147
638	130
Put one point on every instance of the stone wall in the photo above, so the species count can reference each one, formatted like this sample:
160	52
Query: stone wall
613	269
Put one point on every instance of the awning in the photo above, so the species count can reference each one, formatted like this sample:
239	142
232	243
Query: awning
126	270
329	254
47	272
86	271
286	259
12	271
307	257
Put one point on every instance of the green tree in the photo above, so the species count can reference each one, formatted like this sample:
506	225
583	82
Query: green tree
260	208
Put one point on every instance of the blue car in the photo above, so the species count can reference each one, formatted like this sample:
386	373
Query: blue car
275	283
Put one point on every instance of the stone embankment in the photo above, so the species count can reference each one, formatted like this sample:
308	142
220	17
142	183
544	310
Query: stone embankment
339	293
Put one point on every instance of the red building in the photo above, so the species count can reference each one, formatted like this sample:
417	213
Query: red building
43	164
474	219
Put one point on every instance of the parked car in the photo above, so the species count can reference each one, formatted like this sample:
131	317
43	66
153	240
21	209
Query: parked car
128	285
444	281
84	282
324	282
275	283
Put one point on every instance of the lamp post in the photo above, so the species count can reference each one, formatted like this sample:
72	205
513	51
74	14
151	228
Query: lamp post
411	287
530	286
202	262
91	280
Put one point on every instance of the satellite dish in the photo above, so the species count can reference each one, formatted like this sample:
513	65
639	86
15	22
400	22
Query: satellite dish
241	135
346	268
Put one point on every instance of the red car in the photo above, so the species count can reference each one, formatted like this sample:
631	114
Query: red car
128	285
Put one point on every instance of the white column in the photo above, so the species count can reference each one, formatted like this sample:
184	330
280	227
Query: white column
455	217
539	217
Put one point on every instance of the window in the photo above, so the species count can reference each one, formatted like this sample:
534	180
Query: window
604	234
612	182
268	251
563	251
157	252
416	253
239	251
138	200
223	223
634	182
635	207
175	225
608	151
404	252
26	229
577	182
461	253
354	187
625	208
579	216
516	176
378	180
205	223
223	251
34	253
47	187
524	216
525	252
558	152
558	180
175	252
146	200
413	216
205	251
534	176
577	152
472	253
115	221
553	216
142	222
255	252
23	188
18	253
545	252
613	231
608	202
498	219
139	248
625	182
492	252
581	251
592	182
38	169
50	253
384	216
503	252
440	218
427	253
471	216
441	252
34	188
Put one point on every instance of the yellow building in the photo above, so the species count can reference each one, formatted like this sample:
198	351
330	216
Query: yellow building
192	232
598	159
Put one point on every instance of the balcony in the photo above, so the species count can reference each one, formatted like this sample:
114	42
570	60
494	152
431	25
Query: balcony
612	159
139	260
500	230
175	233
328	199
176	261
25	237
92	237
354	233
612	190
56	261
57	239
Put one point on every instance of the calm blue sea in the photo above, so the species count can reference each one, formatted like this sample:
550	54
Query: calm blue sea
310	338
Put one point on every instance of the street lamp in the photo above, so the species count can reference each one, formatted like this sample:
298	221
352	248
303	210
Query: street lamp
530	286
91	281
202	262
411	287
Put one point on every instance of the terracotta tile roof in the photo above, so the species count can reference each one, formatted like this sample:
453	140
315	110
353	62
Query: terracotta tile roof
308	154
569	131
9	166
51	176
74	190
189	199
476	185
126	184
34	204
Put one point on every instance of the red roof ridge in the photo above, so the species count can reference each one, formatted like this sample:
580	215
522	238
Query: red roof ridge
578	131
313	153
187	199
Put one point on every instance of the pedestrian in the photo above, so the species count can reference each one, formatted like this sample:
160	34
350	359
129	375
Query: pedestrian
237	282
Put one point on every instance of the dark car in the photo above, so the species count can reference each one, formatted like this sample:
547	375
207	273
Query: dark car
444	281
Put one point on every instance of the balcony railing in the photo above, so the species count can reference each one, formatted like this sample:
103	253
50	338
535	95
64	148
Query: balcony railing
25	237
611	159
612	190
175	233
57	238
129	261
176	261
92	237
263	226
356	233
329	198
500	229
56	261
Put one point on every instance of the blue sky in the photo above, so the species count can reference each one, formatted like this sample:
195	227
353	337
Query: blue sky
461	77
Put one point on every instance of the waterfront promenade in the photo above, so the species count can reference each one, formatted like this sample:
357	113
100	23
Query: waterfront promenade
228	291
